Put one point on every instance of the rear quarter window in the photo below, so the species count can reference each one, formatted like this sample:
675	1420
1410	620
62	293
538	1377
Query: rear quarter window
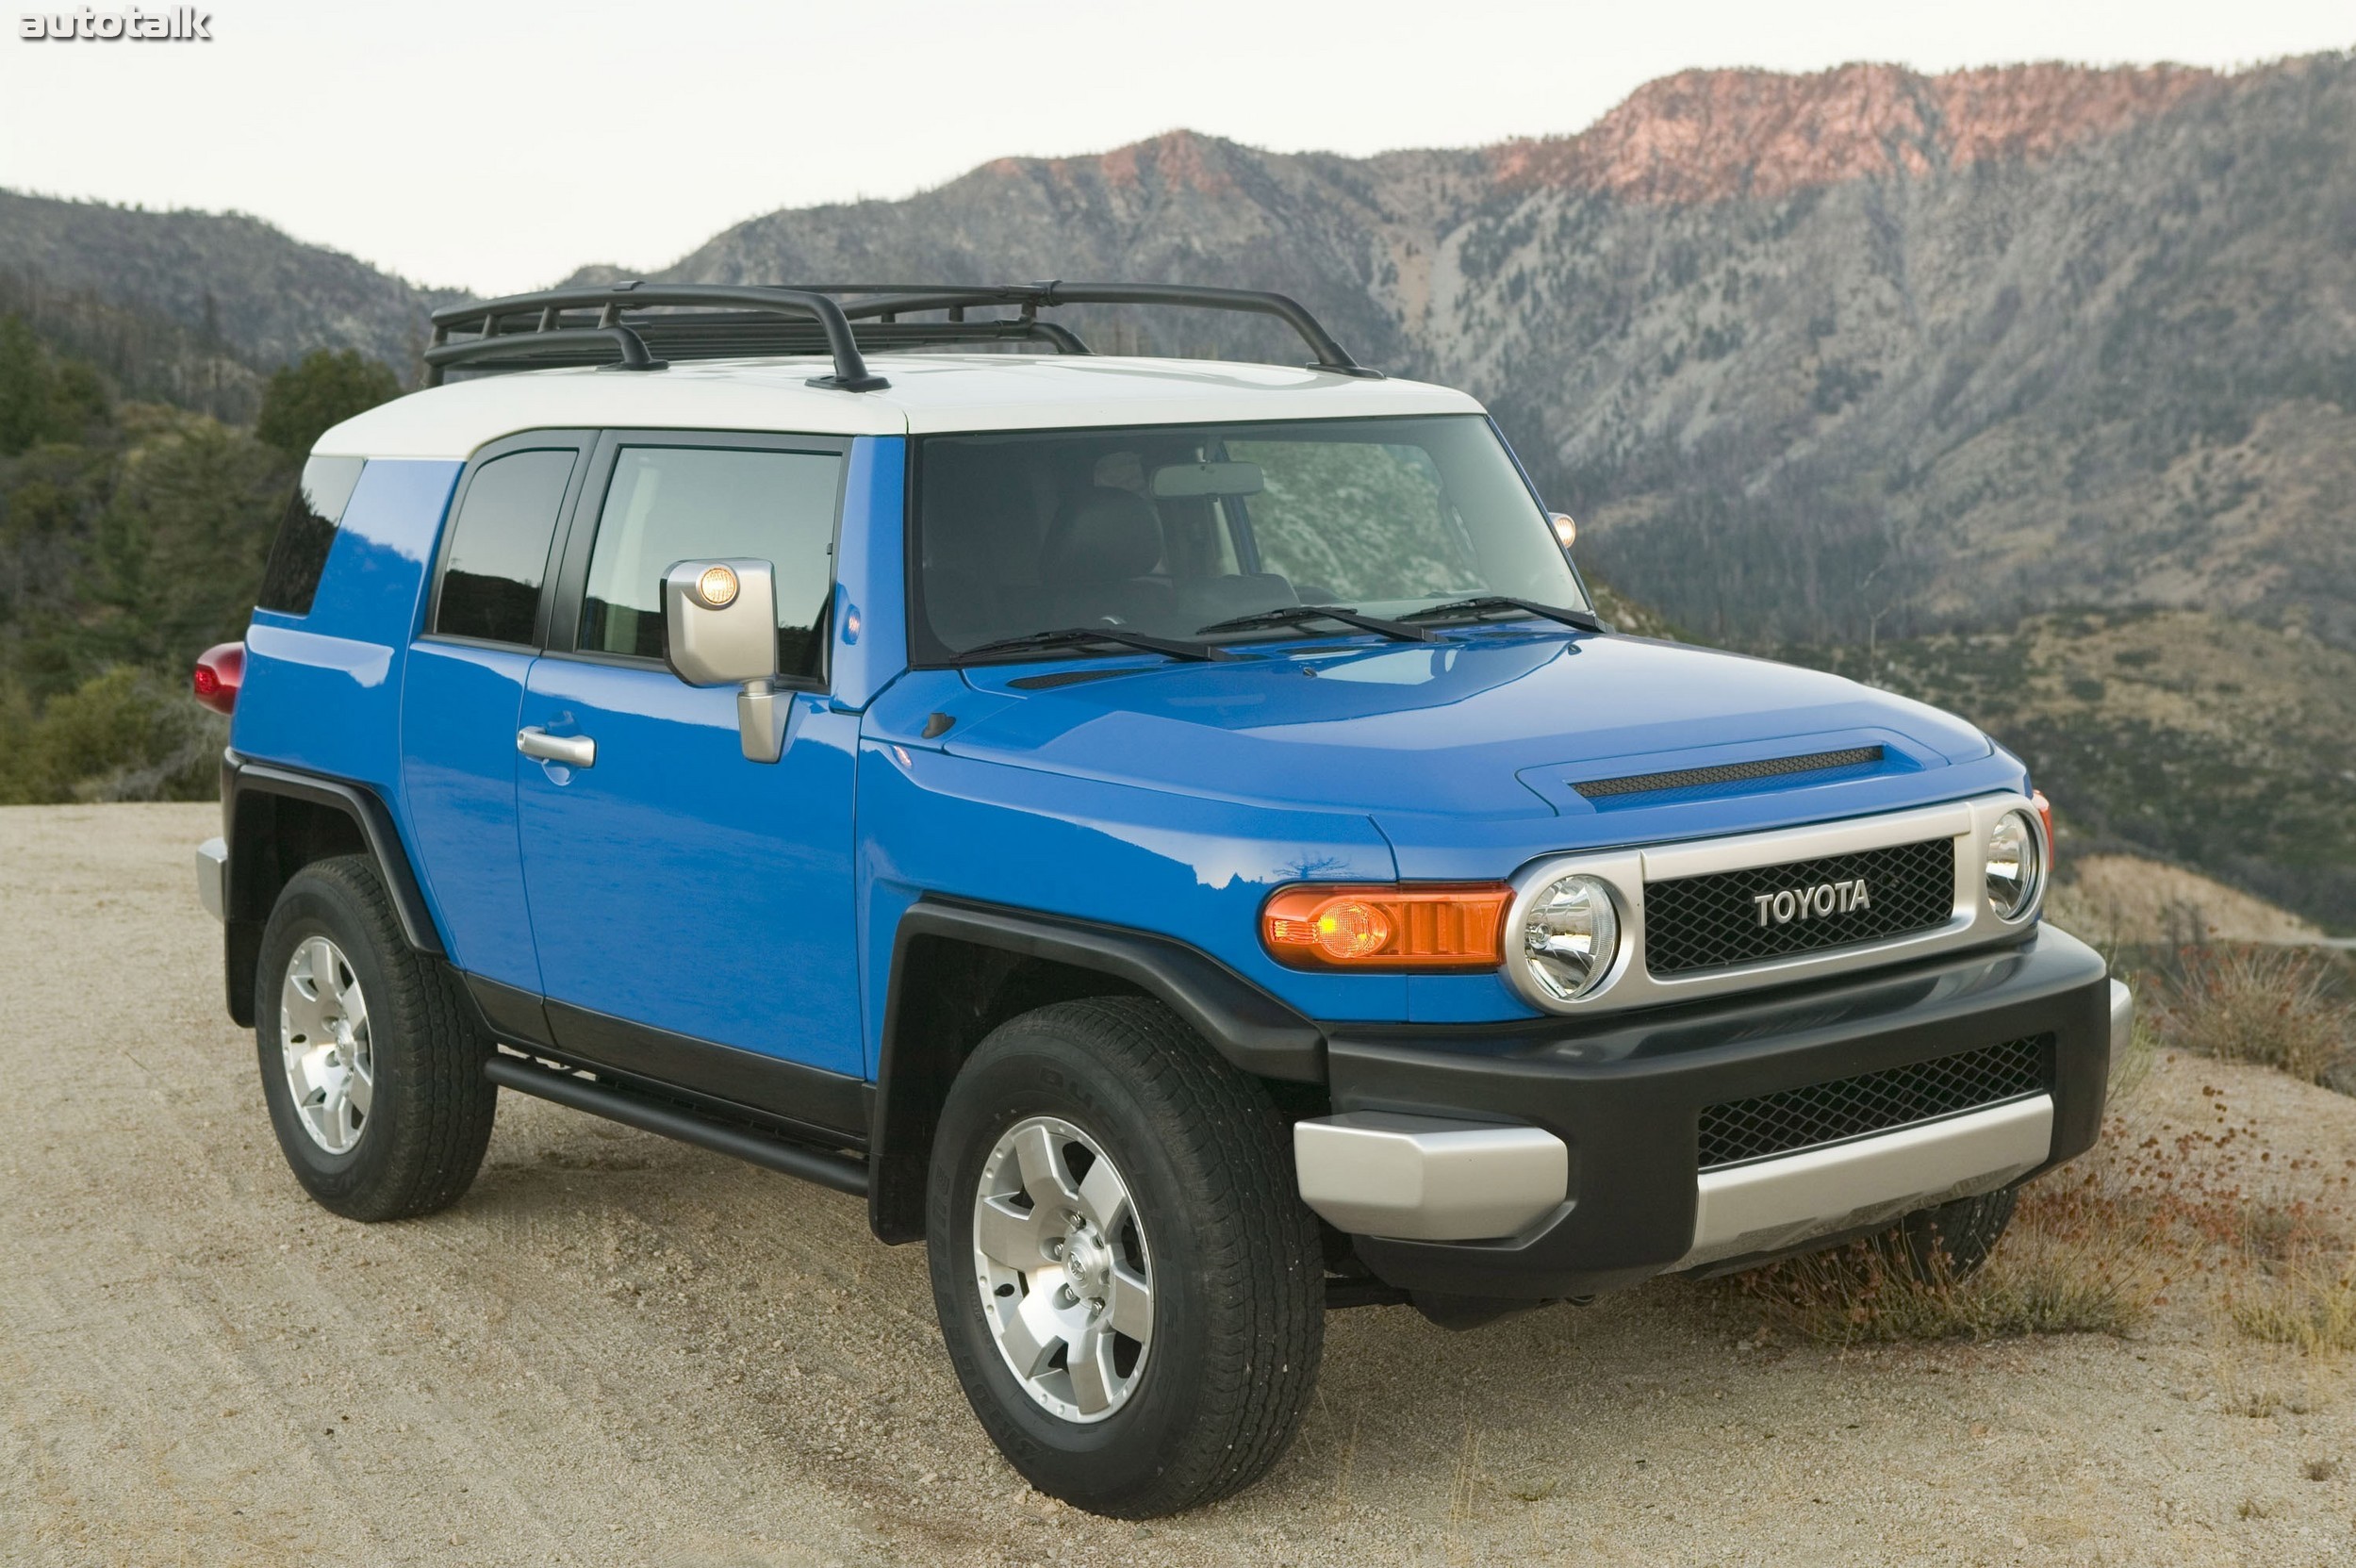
499	549
298	556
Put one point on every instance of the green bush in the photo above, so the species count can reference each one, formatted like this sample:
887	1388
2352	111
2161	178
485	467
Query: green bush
125	734
324	388
42	399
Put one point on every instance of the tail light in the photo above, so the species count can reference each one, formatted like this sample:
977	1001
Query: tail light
220	669
1440	926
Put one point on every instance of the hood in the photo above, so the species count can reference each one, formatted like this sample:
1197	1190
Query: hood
1489	725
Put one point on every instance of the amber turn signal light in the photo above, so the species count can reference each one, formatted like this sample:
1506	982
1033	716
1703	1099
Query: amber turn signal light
1433	926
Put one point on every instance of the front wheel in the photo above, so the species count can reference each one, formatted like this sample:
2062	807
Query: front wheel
1950	1243
1130	1291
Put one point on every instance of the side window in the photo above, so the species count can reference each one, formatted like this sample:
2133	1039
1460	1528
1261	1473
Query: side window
298	556
671	503
498	547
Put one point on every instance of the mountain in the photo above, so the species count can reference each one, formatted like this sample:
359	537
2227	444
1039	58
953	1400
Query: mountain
1813	356
237	285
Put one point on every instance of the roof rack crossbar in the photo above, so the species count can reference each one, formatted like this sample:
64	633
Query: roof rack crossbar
898	299
850	369
526	349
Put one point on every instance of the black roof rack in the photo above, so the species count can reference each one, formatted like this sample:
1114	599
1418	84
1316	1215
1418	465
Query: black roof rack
643	326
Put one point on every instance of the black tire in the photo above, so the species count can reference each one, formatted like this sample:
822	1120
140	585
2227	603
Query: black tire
1949	1244
1236	1267
430	1115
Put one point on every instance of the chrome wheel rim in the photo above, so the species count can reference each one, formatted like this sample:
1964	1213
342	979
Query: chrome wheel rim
1066	1277
324	1045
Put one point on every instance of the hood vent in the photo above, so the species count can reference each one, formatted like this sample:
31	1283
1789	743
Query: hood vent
1731	774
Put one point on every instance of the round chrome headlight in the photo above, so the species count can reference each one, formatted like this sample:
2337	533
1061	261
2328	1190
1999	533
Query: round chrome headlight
2014	862
1570	936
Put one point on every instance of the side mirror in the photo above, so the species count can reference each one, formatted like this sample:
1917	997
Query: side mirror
720	629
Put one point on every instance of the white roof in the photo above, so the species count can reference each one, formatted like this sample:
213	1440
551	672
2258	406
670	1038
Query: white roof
928	392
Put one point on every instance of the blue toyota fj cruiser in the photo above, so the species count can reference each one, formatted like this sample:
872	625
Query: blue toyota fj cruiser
1172	834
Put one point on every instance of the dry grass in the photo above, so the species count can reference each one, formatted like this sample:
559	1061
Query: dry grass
2060	1270
2316	1314
2276	1006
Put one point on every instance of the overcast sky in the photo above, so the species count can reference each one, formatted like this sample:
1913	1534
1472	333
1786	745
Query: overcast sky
496	144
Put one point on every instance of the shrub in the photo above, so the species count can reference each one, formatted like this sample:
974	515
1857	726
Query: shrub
2316	1314
324	388
127	734
2272	1005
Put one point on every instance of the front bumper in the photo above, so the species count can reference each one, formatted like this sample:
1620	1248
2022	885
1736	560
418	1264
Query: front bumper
1623	1097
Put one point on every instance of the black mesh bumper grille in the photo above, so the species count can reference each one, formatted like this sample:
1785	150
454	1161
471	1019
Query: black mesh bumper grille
1793	1119
1708	922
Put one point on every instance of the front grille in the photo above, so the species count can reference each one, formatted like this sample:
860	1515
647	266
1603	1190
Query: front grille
1737	773
1793	1119
1711	921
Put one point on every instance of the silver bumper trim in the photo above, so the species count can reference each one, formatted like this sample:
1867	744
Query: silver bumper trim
1772	1204
212	876
1424	1178
2122	1018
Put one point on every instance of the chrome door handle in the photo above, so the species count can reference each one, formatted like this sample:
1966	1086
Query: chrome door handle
573	751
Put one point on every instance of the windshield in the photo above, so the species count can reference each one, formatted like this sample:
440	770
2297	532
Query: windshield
1169	530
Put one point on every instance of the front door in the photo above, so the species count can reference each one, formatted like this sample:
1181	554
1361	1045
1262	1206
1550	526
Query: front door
693	910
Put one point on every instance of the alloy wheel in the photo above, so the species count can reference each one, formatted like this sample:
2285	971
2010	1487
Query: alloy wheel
323	1039
1066	1277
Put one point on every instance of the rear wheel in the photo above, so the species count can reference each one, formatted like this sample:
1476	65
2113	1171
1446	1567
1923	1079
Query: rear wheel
371	1066
1129	1289
1950	1243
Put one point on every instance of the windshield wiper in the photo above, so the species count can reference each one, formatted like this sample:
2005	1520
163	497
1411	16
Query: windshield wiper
1579	619
1079	636
1293	615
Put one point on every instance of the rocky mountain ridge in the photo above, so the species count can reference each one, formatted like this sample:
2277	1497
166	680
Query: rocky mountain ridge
1711	135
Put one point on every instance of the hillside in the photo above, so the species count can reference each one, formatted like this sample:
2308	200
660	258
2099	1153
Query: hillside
237	283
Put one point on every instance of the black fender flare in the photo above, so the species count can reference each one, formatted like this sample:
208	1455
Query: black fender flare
1255	1031
256	868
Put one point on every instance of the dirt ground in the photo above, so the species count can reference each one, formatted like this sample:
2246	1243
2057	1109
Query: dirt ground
620	1351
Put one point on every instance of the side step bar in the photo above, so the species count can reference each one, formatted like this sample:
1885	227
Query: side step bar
838	1171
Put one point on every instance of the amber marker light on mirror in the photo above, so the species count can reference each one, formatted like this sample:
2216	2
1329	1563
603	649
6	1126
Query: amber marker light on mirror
717	588
1336	926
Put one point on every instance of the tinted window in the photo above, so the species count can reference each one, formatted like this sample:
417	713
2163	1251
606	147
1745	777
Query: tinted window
668	504
498	547
1171	530
298	556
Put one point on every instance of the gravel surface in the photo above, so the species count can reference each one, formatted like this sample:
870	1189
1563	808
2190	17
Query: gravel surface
620	1351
